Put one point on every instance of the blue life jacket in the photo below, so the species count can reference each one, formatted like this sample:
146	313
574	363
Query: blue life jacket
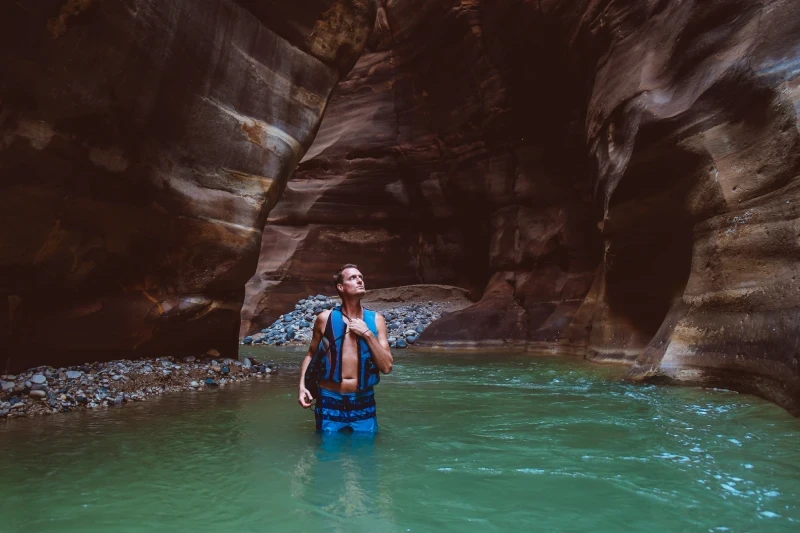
329	353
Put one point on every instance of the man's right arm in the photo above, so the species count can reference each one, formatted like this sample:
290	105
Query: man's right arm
304	397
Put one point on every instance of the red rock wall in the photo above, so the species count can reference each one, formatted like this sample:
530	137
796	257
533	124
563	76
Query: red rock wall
615	178
142	145
436	153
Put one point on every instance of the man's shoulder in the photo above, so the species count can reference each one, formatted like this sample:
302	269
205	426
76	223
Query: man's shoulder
322	318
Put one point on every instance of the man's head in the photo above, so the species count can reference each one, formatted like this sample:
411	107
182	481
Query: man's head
349	281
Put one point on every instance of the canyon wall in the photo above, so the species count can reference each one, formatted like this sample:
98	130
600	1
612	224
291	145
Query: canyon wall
607	178
613	179
142	145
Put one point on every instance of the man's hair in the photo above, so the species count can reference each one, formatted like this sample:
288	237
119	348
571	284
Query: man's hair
339	277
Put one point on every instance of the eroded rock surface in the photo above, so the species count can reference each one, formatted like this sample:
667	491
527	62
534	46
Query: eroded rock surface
142	145
617	179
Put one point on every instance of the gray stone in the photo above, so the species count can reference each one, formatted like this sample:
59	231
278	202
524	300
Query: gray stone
73	374
411	339
321	298
409	333
246	363
38	394
6	385
420	329
38	379
401	343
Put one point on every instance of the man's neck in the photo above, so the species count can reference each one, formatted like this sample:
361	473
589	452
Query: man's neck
352	308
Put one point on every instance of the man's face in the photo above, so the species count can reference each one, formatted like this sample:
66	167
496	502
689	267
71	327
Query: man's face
352	282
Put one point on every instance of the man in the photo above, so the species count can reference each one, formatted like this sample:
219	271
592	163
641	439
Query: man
348	348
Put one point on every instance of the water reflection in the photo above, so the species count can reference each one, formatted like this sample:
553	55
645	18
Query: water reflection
338	476
463	446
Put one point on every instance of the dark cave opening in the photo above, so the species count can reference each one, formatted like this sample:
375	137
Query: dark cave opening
649	239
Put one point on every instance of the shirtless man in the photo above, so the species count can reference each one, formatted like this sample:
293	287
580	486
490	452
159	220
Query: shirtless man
354	348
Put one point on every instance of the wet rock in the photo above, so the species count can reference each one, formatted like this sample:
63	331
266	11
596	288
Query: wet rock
73	374
401	343
6	386
411	339
194	384
38	394
210	382
246	363
38	379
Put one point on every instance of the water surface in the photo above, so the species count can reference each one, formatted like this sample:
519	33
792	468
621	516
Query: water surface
467	443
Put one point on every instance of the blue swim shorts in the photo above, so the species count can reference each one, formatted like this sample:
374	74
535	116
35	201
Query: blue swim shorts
356	410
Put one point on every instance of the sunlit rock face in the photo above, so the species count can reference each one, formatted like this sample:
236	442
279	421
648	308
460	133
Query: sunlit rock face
142	145
435	158
698	152
616	179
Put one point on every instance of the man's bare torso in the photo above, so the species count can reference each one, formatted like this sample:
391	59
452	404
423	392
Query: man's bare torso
349	366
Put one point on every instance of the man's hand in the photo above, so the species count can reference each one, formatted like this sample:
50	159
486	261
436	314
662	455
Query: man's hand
359	327
304	398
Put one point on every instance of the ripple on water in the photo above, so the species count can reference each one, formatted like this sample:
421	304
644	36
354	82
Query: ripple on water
467	443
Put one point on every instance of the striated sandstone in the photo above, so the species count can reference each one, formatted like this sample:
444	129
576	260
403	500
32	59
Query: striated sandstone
616	179
142	145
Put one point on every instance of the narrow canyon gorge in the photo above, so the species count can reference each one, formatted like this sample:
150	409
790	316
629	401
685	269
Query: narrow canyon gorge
608	179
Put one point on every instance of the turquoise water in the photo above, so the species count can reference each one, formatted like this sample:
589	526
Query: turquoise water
467	443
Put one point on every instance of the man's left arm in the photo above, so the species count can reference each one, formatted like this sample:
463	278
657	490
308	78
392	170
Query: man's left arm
378	346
